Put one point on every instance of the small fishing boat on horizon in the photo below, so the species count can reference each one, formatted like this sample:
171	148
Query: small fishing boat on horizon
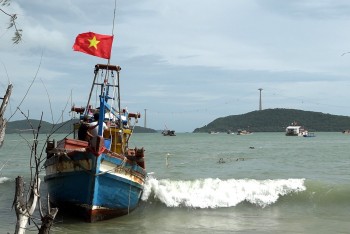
99	176
168	132
243	132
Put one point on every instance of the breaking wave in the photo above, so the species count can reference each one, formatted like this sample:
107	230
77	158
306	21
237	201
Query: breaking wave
215	193
4	179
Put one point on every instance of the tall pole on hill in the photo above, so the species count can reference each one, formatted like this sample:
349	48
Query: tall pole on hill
145	123
260	105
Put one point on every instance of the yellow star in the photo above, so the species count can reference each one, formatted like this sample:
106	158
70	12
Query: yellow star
93	42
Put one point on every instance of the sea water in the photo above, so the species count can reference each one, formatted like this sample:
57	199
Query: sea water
217	183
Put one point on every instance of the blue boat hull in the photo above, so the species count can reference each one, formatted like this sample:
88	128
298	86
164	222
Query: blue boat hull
98	187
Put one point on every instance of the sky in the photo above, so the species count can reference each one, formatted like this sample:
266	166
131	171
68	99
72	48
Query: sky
184	63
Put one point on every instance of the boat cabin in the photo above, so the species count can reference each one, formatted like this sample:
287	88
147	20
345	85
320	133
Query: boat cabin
294	131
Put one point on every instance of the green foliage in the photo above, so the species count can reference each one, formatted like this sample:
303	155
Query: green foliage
17	38
5	2
276	120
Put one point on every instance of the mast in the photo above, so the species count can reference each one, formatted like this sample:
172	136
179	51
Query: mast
91	90
119	108
104	94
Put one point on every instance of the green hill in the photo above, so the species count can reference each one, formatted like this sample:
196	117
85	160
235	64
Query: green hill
21	126
276	120
269	120
139	129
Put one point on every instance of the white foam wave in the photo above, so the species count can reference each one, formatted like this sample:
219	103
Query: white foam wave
3	179
214	193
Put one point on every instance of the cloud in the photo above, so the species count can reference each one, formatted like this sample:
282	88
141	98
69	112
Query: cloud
193	60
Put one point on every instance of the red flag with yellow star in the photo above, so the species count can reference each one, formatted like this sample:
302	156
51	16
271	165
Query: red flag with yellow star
94	44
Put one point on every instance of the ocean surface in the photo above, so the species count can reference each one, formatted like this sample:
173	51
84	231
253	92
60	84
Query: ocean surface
217	183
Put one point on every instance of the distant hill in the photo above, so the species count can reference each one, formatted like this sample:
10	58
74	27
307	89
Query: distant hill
46	127
139	129
276	120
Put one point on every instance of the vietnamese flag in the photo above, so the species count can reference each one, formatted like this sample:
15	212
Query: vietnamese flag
94	44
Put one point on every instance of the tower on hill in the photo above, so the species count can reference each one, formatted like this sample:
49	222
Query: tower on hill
260	105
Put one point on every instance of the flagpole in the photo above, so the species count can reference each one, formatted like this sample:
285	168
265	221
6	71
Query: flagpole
118	85
115	7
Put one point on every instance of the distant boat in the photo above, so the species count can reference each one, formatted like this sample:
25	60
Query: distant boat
3	106
230	132
213	132
168	133
296	130
243	132
306	133
101	177
346	131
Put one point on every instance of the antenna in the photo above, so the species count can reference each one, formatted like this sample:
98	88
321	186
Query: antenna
145	123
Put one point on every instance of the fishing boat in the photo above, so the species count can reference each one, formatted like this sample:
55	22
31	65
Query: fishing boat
167	132
98	177
3	106
243	132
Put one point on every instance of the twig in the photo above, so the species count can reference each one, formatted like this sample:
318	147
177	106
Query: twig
3	166
25	95
48	97
17	38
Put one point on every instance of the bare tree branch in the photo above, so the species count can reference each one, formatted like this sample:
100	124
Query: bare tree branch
36	74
